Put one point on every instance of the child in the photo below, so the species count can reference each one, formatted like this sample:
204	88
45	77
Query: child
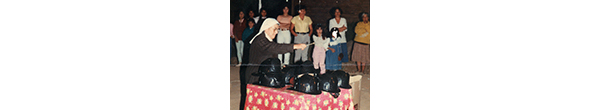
321	45
333	51
249	29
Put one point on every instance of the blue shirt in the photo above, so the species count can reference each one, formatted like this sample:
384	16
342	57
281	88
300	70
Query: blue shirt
246	33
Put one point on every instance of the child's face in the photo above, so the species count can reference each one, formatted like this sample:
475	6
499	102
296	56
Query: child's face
334	34
251	24
319	31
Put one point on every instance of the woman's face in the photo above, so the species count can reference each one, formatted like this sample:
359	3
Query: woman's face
286	9
337	13
263	13
272	31
241	15
365	18
251	13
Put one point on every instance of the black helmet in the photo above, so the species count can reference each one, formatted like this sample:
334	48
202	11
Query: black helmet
270	65
343	79
270	74
307	84
306	67
328	82
274	80
289	73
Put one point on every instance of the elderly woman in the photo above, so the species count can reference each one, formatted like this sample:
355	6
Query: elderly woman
263	47
361	42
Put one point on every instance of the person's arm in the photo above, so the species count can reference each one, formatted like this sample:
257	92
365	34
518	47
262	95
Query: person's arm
231	31
360	30
310	29
276	48
343	23
326	45
292	30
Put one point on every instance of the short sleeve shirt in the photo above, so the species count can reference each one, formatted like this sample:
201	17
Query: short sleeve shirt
301	25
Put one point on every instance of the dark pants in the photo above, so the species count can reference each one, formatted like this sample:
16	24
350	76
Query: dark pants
344	52
243	80
231	48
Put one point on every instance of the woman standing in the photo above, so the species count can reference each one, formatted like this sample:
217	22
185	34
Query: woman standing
361	51
284	35
238	29
339	22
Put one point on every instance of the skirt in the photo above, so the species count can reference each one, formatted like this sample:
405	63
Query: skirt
331	58
361	52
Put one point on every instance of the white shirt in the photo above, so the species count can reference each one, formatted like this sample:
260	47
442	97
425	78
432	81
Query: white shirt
342	23
319	42
256	19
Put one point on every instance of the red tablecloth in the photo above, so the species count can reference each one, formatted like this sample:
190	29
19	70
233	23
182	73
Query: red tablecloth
267	98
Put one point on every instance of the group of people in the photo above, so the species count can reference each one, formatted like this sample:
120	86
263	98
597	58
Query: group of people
330	50
330	45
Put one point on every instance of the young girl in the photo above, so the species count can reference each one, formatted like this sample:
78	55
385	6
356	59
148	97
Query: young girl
334	51
321	45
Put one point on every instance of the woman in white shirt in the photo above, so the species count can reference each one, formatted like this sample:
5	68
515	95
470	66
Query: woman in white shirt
339	22
321	46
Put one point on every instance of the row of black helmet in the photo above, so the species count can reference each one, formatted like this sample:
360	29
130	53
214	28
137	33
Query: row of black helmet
302	76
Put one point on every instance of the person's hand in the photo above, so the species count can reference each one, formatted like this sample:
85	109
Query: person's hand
295	35
299	46
343	28
332	50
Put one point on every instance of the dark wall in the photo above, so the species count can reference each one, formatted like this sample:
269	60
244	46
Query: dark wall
318	10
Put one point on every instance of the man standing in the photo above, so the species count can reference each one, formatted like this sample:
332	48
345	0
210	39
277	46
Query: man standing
303	29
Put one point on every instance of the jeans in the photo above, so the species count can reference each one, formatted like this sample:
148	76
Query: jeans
240	49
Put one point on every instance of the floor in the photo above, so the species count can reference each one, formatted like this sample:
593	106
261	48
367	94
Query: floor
349	67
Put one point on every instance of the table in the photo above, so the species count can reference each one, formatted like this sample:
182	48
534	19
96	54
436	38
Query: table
267	98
